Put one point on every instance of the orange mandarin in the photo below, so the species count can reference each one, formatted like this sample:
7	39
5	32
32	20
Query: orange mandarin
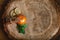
22	19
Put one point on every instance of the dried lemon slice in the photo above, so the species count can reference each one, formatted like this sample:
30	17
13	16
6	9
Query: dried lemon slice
17	11
14	12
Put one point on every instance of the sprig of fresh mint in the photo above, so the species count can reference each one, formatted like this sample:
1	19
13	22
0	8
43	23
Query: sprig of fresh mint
21	28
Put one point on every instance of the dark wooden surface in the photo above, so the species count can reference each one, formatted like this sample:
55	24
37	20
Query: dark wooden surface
57	6
3	35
